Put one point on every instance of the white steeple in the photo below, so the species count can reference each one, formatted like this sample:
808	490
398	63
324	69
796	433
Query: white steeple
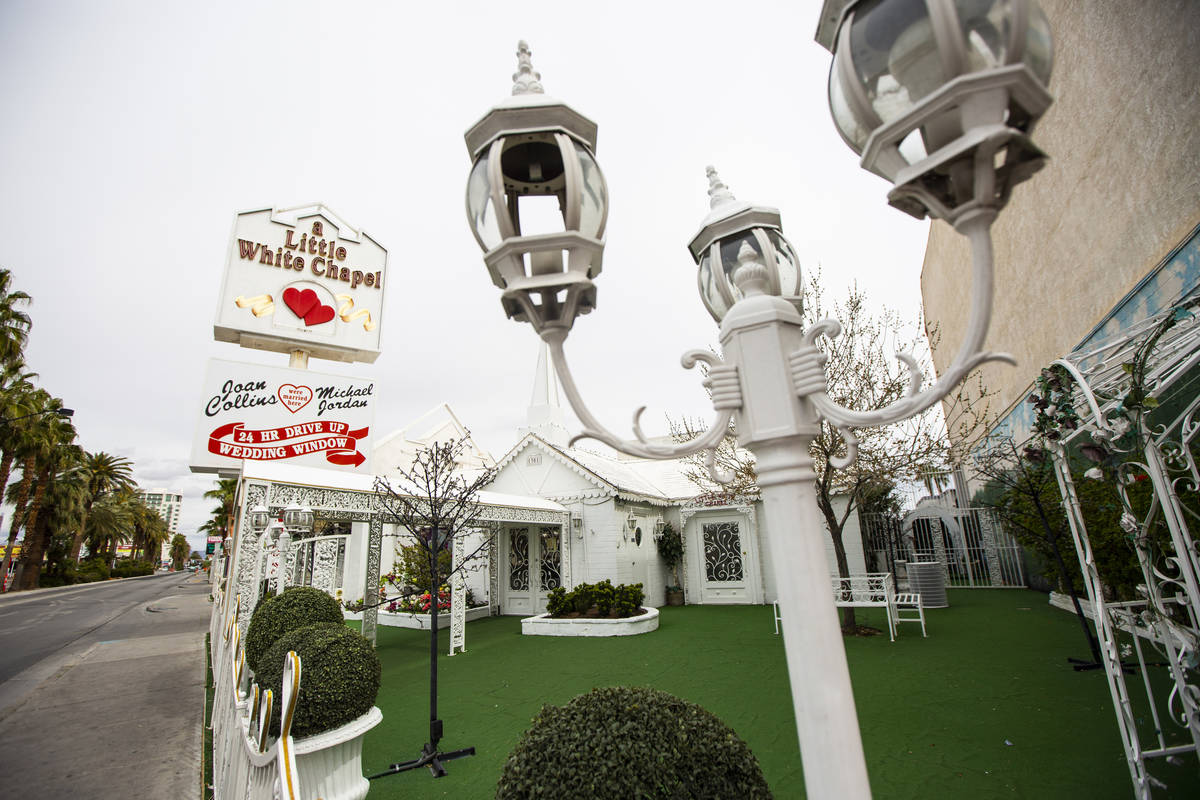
545	416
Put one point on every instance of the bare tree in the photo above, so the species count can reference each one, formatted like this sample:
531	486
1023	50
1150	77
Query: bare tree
862	375
437	503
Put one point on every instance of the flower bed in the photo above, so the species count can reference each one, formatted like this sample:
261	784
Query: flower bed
545	625
400	619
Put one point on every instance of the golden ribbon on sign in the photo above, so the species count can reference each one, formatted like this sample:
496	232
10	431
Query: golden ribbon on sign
260	305
344	312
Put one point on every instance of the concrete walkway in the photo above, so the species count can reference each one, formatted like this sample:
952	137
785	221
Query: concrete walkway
117	713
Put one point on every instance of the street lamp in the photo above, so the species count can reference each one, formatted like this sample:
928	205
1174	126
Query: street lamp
770	380
65	413
297	521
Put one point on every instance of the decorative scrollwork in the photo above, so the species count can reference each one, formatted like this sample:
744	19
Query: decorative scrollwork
722	380
970	354
722	551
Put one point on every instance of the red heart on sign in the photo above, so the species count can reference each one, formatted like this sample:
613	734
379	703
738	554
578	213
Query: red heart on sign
294	397
301	302
319	314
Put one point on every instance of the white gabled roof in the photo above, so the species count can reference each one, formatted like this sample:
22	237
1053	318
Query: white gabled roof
654	481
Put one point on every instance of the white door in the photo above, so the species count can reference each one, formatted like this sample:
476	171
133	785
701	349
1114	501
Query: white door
725	564
532	566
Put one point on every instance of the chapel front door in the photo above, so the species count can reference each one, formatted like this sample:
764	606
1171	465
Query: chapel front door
533	560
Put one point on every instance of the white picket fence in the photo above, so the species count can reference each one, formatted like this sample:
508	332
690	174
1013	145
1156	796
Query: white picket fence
246	764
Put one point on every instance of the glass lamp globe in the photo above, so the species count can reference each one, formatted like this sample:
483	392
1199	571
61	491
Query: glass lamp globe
915	85
730	225
297	518
260	517
537	203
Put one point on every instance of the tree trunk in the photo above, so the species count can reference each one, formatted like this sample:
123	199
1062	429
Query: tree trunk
36	538
849	621
18	515
77	542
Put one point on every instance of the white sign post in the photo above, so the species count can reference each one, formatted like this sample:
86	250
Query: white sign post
259	413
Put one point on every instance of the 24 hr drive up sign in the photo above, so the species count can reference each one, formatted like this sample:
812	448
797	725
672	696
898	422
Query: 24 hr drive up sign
291	416
302	279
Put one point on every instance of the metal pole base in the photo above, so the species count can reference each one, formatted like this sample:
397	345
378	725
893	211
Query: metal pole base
430	757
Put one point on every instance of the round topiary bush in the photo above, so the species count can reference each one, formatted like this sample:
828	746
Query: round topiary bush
339	676
624	742
295	607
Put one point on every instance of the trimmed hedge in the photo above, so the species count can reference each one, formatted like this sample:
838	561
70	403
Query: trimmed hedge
295	607
339	677
623	742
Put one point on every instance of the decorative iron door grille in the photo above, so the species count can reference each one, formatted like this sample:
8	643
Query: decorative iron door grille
518	559
722	552
551	565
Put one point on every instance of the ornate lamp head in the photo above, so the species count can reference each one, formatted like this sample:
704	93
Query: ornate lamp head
930	92
260	517
729	226
298	519
537	203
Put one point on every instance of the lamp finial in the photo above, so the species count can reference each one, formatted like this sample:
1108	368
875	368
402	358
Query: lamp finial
525	79
718	192
750	276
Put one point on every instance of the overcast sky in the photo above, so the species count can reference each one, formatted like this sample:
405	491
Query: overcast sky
133	132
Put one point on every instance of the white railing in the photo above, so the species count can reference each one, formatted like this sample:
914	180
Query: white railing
247	765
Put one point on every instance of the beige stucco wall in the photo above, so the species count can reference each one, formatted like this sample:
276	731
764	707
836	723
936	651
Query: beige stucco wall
1122	188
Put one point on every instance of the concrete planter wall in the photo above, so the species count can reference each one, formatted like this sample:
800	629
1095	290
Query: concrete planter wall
402	619
543	625
329	765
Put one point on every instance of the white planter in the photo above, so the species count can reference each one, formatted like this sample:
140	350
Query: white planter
543	625
329	765
402	619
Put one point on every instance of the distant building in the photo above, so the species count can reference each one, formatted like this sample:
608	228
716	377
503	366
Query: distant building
168	506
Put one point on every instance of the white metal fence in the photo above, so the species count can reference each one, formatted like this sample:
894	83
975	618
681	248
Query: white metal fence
970	543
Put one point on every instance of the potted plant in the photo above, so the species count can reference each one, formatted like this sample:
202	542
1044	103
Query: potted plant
335	708
670	550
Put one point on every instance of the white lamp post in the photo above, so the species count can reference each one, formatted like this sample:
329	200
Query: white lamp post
771	380
298	523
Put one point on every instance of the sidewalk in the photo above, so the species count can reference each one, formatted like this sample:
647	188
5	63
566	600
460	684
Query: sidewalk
114	718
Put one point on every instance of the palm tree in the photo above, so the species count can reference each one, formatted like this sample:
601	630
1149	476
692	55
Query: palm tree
14	323
34	440
16	402
106	473
109	525
58	514
179	551
149	530
221	521
51	449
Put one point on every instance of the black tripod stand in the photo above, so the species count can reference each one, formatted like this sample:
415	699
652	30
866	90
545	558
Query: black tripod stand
430	756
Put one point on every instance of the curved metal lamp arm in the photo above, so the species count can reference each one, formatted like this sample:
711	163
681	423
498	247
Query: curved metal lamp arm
726	395
977	228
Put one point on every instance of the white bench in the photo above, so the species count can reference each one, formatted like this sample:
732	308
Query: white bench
874	590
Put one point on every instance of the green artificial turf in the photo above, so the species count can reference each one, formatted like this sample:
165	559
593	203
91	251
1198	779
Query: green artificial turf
985	707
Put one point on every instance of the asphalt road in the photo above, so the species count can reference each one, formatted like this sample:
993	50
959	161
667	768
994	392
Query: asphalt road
101	688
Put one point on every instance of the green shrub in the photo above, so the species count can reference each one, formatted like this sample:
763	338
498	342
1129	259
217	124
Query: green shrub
339	676
130	569
94	569
556	602
629	599
296	607
623	742
608	600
